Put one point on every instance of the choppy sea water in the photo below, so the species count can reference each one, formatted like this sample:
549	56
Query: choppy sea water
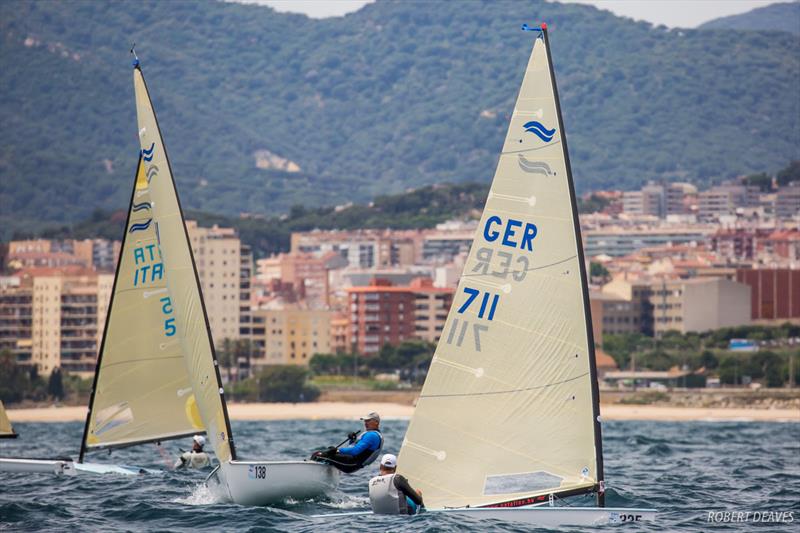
685	470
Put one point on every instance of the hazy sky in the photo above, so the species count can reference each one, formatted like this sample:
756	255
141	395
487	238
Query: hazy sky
681	13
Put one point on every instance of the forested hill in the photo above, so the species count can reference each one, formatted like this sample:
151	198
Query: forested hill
777	17
262	110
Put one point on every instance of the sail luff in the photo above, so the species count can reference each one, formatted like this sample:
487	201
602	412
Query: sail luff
99	361
209	396
598	439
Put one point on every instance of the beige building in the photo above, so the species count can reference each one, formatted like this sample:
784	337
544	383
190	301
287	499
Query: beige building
699	304
218	255
52	320
612	315
431	305
290	336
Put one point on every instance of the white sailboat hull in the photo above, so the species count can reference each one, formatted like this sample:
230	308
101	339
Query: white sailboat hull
37	466
538	516
67	467
258	483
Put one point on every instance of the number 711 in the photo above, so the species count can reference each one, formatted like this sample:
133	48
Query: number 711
472	295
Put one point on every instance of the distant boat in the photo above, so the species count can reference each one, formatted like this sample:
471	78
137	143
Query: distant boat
507	424
6	431
165	274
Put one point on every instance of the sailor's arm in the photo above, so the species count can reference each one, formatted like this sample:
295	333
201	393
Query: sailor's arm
402	485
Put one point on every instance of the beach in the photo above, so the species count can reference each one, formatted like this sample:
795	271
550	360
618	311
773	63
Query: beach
351	411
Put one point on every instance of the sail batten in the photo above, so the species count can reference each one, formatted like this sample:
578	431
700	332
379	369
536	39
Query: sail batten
507	413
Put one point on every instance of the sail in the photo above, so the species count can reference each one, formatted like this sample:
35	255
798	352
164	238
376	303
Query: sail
182	315
6	431
141	390
508	412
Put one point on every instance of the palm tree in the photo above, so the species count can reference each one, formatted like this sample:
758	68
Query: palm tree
226	357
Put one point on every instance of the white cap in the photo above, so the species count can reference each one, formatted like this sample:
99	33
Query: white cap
389	460
199	439
372	416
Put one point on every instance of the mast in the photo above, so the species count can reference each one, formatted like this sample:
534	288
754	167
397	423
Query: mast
108	312
598	441
218	379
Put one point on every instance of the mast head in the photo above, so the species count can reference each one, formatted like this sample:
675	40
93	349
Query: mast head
525	27
135	61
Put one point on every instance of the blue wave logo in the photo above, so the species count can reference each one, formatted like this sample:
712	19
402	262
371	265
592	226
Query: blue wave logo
142	206
148	154
141	226
538	129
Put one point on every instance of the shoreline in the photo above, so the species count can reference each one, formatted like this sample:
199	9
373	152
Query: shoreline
389	411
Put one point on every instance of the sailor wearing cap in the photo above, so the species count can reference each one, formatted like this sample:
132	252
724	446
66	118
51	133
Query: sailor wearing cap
196	458
390	493
361	451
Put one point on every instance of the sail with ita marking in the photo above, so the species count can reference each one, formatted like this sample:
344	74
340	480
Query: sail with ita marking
508	413
141	391
185	316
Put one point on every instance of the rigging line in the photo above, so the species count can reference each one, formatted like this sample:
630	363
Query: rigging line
127	361
531	269
504	391
548	145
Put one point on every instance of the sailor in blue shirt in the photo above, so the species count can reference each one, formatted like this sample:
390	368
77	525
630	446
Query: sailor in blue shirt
361	451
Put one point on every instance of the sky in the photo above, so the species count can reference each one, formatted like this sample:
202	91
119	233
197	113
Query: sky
671	13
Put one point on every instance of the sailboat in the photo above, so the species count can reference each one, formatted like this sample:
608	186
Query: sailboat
141	391
6	431
507	424
167	274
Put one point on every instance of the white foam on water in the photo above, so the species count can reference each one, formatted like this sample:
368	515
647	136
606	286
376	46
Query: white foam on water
201	495
348	502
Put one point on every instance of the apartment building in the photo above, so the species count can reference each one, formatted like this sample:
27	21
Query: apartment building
308	274
379	314
613	315
726	199
55	320
787	201
290	336
618	241
361	248
698	304
382	313
218	256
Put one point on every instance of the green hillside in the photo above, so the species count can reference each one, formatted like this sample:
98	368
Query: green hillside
775	17
396	95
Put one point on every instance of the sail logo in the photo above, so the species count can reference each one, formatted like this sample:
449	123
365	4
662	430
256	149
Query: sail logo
151	172
142	206
538	129
140	226
534	167
147	154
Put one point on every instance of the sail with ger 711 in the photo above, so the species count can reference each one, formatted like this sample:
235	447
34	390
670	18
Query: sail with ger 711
508	414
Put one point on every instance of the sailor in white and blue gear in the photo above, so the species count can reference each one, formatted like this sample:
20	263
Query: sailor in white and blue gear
196	458
362	450
390	493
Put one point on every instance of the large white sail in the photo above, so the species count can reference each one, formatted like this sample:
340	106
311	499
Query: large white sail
508	412
184	315
141	390
6	431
